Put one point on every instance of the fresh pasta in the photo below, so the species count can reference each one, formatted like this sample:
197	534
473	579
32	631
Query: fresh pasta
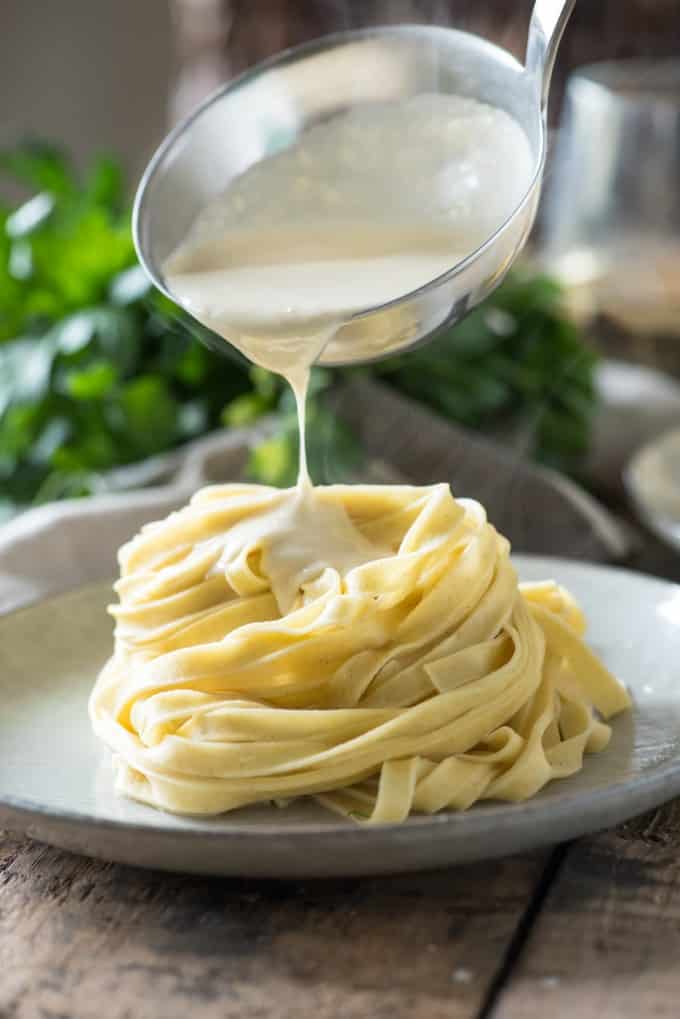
369	646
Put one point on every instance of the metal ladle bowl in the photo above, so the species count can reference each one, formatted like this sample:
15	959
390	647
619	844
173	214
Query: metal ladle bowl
269	108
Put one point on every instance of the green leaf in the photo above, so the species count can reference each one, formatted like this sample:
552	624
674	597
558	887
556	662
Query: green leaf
129	286
516	357
244	410
93	382
104	183
112	331
25	370
74	333
77	259
18	430
150	414
274	462
29	216
39	166
193	419
64	486
94	450
265	383
192	363
54	435
118	336
20	262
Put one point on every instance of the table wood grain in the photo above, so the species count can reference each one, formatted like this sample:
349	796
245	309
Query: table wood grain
87	940
606	944
590	929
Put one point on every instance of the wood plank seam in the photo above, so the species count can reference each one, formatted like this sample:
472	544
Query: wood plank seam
522	933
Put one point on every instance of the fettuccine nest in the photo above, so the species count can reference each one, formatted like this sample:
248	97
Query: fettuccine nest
424	680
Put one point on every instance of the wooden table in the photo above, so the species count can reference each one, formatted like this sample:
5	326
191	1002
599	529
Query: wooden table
589	929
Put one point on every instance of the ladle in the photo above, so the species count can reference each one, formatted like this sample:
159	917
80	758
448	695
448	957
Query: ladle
270	106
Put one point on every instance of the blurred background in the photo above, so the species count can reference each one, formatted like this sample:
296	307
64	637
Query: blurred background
98	74
572	363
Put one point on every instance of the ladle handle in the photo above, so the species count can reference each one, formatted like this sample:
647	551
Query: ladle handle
548	21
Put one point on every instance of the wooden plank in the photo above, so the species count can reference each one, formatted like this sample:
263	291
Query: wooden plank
607	943
88	940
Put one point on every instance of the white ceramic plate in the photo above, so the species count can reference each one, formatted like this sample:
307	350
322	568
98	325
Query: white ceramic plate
56	782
